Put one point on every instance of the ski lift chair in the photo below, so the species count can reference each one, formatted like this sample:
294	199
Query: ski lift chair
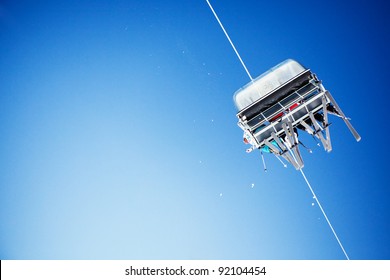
272	106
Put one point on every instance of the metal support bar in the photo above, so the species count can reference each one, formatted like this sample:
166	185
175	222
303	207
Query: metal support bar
349	125
326	125
294	136
277	140
289	134
291	137
298	156
295	147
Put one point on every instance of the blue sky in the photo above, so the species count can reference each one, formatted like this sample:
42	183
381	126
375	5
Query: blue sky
119	139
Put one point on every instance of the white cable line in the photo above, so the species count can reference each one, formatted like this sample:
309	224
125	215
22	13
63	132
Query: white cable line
303	174
231	43
319	204
323	212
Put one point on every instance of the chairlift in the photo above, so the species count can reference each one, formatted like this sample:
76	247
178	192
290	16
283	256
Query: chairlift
288	97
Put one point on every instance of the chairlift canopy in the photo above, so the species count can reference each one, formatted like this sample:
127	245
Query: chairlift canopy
266	83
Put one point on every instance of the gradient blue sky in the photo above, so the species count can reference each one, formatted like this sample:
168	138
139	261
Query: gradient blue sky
119	139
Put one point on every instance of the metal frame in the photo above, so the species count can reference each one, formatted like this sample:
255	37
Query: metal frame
312	99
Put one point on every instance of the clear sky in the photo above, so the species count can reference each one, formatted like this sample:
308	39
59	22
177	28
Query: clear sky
119	138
